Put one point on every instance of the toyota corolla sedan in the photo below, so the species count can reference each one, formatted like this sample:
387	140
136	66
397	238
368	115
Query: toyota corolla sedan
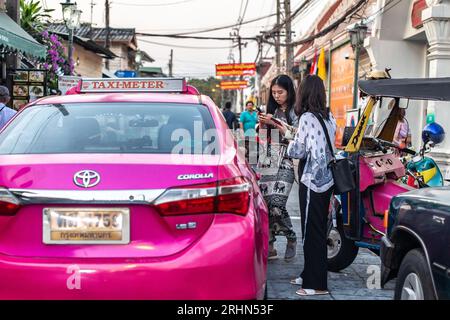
131	189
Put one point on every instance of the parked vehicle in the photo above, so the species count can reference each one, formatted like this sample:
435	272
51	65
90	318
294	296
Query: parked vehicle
358	218
116	193
416	248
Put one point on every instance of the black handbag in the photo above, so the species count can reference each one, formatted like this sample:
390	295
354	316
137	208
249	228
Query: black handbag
341	169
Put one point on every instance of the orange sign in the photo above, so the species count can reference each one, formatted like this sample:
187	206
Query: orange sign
133	85
233	69
341	94
233	85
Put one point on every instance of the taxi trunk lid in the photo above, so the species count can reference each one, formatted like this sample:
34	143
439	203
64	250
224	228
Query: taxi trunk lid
127	182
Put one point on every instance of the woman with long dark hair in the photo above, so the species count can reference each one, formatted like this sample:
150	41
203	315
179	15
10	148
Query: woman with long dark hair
316	180
277	174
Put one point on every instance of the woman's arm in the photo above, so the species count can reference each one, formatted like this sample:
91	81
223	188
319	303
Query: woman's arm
297	147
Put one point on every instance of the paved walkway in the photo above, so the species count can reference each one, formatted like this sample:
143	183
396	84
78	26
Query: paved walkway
353	283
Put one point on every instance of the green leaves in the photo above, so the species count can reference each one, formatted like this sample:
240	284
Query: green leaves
33	17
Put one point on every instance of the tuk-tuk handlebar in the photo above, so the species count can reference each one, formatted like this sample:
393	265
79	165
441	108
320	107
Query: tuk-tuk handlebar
382	144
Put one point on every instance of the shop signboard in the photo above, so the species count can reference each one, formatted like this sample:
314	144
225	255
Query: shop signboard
235	69
233	85
341	88
67	82
28	85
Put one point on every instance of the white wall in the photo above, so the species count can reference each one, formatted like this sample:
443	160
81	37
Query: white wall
406	58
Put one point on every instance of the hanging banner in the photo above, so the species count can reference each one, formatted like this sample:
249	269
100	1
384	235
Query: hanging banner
341	93
233	69
233	85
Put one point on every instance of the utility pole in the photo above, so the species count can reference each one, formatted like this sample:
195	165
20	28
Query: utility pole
171	63
107	39
92	17
289	48
241	91
12	60
277	37
12	9
259	67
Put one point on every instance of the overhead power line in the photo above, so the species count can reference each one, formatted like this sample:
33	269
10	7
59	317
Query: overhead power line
327	29
291	17
179	46
227	26
152	4
144	34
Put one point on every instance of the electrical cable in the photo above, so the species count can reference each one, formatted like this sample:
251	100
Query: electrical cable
180	46
327	29
227	26
144	34
152	5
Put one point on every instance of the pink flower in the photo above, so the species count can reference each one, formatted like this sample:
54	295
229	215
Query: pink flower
54	38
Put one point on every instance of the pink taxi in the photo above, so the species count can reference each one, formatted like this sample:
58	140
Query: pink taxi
132	189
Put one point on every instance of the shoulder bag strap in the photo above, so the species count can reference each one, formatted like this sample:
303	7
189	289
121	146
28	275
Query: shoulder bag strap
330	146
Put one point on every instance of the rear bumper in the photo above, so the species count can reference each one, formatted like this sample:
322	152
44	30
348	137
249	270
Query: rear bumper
223	264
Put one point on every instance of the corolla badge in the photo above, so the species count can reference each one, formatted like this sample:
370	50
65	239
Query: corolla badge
86	178
195	176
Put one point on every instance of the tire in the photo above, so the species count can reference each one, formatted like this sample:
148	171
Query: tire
341	251
414	280
265	292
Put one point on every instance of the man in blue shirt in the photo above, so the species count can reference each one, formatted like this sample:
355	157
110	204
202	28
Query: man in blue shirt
5	112
248	121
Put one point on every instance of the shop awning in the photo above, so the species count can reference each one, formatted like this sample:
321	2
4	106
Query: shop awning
14	38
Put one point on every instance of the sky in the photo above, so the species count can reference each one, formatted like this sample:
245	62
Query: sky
175	16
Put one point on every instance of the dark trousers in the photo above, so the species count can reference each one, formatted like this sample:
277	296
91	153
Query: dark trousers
315	271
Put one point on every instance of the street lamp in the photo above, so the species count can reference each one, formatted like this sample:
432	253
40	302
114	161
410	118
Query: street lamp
357	35
71	17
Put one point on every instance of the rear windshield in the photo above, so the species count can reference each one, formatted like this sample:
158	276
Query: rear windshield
109	128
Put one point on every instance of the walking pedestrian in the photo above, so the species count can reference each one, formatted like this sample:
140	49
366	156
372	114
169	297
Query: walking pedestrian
277	170
6	113
316	182
248	120
229	116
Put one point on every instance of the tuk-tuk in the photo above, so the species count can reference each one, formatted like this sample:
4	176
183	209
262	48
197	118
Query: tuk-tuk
359	218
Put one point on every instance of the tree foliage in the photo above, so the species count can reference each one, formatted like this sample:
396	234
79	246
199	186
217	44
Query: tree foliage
209	87
33	17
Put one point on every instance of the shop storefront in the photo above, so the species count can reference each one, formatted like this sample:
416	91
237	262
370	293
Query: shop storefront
413	39
24	84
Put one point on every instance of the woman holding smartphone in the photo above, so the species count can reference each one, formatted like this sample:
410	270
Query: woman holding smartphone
277	170
316	181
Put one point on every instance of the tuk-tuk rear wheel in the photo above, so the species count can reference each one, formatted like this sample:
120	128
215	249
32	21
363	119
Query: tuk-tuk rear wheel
341	251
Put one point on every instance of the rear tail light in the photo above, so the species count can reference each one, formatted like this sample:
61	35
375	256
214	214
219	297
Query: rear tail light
9	204
225	196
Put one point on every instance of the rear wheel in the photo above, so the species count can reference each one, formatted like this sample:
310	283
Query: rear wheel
414	280
341	251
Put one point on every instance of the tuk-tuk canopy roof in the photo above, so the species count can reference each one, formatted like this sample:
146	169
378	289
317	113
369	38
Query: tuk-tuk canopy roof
415	89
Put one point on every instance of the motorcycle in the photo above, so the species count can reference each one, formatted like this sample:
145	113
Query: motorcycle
358	219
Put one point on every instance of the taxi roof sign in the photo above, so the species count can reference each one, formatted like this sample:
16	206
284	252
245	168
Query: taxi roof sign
133	85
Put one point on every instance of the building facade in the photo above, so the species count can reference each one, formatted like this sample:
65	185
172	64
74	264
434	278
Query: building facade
411	37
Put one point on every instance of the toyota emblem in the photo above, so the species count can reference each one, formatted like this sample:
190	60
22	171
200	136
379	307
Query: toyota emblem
86	178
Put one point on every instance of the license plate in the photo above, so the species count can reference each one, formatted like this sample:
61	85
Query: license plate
86	226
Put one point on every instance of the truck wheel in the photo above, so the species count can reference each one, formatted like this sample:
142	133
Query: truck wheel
341	251
414	280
